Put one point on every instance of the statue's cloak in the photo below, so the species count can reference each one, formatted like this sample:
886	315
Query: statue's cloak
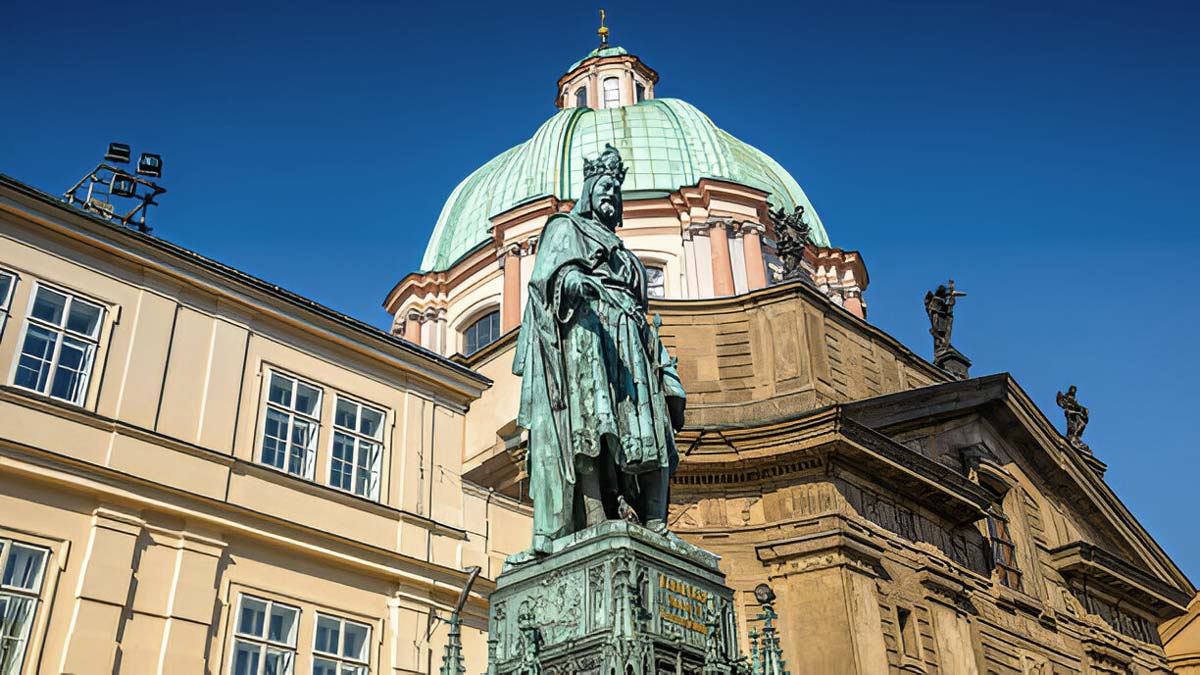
595	375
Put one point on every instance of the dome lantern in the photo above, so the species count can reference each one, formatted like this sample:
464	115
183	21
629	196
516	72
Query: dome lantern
608	77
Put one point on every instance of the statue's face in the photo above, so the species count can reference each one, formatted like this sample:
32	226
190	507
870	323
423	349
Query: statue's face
606	200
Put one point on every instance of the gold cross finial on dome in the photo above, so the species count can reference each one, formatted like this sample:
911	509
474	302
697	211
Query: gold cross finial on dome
603	31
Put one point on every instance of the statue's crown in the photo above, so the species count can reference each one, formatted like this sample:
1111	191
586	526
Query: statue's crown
608	163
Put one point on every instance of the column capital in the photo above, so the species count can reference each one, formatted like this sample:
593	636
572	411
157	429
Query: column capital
750	227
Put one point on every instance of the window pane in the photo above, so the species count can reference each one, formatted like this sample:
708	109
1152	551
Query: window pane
366	482
348	669
49	305
24	568
482	333
356	640
323	667
74	360
281	390
655	282
254	612
345	414
327	635
371	422
341	465
581	97
245	659
6	281
283	624
84	318
304	437
16	620
33	368
275	435
278	662
307	399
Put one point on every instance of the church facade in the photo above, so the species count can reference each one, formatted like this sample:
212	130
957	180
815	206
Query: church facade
908	519
203	473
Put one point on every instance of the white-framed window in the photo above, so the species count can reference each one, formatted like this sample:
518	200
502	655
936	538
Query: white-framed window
264	640
656	282
22	571
8	281
581	97
58	348
639	92
612	92
357	448
292	419
483	332
341	647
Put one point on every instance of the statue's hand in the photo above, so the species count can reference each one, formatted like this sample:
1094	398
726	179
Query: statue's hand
580	286
676	406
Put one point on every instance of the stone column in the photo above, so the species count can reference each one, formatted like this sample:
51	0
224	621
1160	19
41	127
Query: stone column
102	593
510	308
826	585
433	330
412	327
756	270
946	599
722	268
194	573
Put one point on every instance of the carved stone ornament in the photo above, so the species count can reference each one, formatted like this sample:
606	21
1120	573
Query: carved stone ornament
793	236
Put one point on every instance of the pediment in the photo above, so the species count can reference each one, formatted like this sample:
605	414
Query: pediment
998	404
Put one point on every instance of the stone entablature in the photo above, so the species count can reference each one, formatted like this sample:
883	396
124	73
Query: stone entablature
710	240
807	353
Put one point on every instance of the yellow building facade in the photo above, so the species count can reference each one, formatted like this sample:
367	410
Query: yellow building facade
202	473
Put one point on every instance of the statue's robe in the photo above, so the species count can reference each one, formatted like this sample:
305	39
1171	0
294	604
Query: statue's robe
594	373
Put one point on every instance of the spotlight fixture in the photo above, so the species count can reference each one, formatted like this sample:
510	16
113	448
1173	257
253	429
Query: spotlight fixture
117	152
763	594
121	185
107	190
150	164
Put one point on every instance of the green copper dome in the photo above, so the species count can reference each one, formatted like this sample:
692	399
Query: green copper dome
666	143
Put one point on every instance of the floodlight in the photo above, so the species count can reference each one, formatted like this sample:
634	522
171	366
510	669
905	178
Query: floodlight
150	164
121	186
763	594
117	152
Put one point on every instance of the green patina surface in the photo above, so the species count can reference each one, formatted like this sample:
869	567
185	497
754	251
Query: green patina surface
667	144
599	51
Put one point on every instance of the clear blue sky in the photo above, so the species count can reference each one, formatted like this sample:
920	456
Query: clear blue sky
1042	154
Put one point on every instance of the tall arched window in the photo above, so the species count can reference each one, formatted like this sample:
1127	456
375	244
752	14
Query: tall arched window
612	92
482	333
581	97
1004	558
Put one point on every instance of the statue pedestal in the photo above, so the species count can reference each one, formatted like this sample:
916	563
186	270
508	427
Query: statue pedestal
614	598
952	361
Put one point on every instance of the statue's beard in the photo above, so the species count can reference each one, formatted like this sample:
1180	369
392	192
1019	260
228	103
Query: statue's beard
607	212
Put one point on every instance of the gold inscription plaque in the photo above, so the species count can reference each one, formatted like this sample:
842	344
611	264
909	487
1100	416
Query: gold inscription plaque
682	604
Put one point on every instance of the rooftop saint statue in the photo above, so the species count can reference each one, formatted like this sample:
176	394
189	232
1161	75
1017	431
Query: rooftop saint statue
939	305
1077	418
600	395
